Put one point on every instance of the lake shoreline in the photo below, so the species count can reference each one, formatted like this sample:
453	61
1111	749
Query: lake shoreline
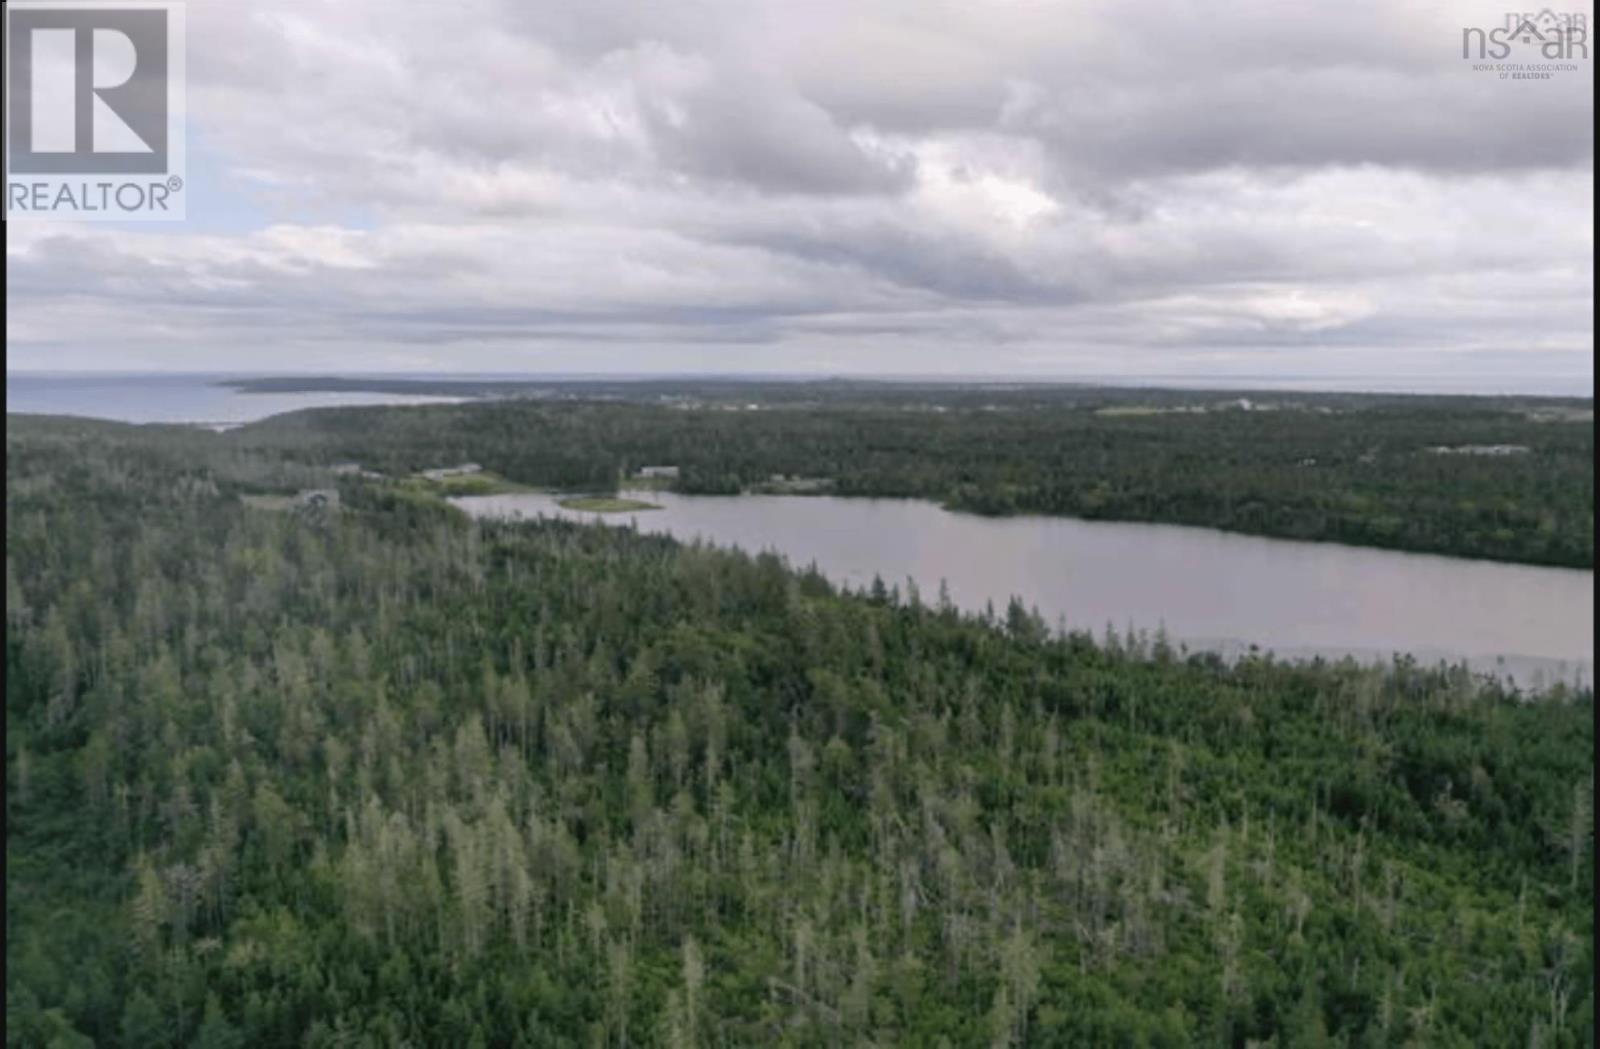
1150	454
1207	588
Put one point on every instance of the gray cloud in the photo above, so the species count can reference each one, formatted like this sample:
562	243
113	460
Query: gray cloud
762	185
753	131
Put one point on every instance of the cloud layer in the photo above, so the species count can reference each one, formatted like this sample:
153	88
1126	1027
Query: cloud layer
1000	186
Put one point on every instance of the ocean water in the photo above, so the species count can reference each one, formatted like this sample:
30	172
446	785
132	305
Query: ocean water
195	399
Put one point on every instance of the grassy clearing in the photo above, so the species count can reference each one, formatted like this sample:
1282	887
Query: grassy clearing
483	483
268	502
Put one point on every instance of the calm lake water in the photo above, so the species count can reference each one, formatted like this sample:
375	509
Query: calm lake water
193	399
1210	589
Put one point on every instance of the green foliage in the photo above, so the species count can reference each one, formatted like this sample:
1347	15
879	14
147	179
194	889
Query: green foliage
1359	469
402	778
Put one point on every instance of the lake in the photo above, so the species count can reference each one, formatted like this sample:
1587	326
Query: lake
193	399
1210	589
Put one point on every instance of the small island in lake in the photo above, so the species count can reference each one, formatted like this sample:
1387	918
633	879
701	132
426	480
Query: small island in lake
604	504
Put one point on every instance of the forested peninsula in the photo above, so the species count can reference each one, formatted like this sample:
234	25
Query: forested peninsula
1502	478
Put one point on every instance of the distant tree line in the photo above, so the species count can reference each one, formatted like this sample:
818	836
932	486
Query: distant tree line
1359	470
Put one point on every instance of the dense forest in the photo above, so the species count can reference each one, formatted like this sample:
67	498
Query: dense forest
384	776
1503	478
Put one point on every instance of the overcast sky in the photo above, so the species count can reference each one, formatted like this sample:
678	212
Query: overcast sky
843	186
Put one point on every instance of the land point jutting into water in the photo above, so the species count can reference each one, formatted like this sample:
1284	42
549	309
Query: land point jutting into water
604	504
1361	469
